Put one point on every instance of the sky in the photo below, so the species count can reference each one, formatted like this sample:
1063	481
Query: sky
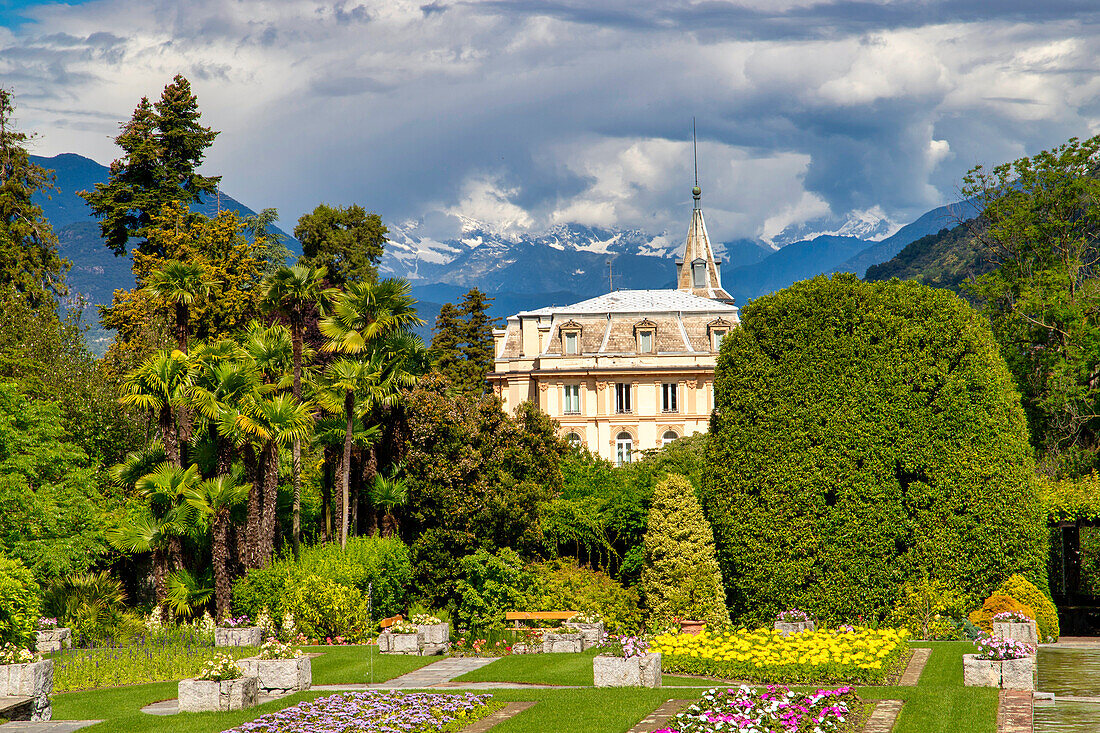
527	114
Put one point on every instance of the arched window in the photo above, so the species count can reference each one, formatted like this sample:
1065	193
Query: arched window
668	437
624	444
574	439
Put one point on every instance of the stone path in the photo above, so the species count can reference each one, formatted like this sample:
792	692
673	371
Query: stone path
913	670
46	726
436	673
1014	712
883	716
657	719
509	710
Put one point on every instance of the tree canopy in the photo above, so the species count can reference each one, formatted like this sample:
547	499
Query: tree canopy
462	346
865	434
345	240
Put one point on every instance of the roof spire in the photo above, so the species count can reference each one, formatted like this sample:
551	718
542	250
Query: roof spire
696	192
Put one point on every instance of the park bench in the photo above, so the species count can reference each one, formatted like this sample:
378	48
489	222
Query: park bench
518	616
388	622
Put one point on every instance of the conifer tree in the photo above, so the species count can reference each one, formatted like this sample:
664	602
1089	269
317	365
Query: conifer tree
163	146
681	578
28	246
477	349
447	342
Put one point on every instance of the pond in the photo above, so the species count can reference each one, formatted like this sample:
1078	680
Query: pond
1073	673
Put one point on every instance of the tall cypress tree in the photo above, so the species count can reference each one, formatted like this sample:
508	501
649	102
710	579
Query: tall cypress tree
28	246
163	146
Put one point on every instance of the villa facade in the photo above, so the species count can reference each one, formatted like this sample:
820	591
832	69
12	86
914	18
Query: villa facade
626	371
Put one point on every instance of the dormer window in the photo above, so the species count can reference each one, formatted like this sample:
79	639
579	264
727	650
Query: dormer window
699	273
571	338
717	330
645	333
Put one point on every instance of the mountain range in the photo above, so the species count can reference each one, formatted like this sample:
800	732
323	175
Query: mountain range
564	264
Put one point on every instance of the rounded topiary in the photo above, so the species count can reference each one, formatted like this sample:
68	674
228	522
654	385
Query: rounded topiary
998	603
1046	613
20	603
865	435
680	577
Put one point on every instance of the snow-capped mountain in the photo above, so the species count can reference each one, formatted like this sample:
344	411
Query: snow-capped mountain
871	225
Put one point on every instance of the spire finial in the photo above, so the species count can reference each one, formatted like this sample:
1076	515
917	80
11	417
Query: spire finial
696	192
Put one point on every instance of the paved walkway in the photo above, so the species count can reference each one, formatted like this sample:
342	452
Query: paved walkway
434	674
911	676
657	719
883	717
1014	711
46	726
483	725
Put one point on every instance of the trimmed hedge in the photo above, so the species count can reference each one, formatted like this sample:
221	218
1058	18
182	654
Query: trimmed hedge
1046	614
383	562
864	435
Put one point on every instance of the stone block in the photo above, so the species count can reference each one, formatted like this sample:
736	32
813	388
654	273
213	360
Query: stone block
279	676
1027	632
593	634
981	672
241	636
1018	674
398	643
643	671
33	680
199	696
53	640
435	634
431	650
562	643
793	627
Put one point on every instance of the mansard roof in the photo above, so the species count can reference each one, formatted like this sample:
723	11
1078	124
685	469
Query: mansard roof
640	301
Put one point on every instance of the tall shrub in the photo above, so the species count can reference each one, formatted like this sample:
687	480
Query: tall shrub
680	577
19	603
866	434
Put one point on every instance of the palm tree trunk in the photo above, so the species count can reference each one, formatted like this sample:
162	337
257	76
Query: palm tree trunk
327	481
270	494
220	559
255	496
345	466
296	521
182	316
160	575
168	434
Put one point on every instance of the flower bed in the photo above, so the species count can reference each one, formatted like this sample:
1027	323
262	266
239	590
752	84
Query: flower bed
864	656
775	710
409	712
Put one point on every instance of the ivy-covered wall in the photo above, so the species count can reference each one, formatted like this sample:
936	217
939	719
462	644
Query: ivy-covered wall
866	434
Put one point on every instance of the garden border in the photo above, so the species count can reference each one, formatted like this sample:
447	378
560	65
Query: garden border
498	716
664	712
913	670
883	717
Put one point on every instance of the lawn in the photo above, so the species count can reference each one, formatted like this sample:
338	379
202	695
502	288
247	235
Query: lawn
939	704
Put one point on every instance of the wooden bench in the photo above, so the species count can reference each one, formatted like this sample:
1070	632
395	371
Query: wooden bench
388	622
518	616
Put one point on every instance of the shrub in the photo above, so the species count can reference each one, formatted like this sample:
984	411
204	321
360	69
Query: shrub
997	603
490	585
866	434
20	605
381	563
92	604
680	577
923	605
1046	614
562	585
324	608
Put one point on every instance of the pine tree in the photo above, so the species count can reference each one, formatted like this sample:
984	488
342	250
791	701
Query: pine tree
28	246
680	578
477	349
163	146
447	342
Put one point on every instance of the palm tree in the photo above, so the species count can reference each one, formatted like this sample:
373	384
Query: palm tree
386	494
329	437
157	386
275	423
366	312
214	500
293	291
272	349
180	284
146	533
219	383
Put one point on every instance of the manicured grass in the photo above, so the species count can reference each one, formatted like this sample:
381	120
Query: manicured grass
537	669
343	665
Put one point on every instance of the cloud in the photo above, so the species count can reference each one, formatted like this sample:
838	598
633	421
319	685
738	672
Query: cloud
531	113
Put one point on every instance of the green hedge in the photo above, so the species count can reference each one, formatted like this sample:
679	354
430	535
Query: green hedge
866	434
382	562
20	601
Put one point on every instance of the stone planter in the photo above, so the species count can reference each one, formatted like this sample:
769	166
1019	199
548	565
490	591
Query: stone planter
643	671
562	643
241	636
33	680
53	640
1009	674
279	676
1027	632
793	627
691	627
433	638
390	643
200	696
593	634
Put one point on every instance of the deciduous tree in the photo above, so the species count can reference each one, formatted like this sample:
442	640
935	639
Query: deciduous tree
346	241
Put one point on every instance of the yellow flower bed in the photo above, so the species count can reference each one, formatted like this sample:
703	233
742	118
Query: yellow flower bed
868	656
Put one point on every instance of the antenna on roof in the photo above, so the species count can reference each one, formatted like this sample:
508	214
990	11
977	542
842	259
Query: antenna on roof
610	277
